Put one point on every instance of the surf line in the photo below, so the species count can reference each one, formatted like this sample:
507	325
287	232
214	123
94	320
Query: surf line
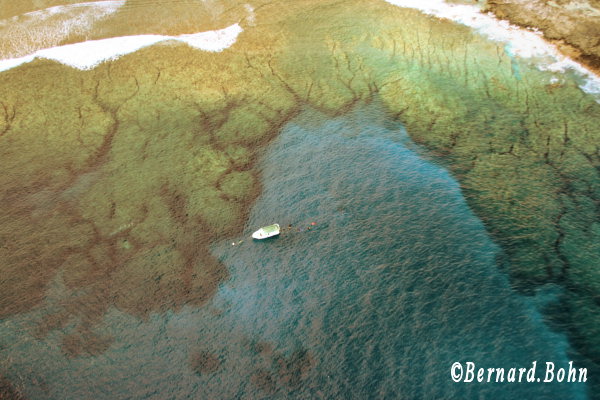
520	42
89	54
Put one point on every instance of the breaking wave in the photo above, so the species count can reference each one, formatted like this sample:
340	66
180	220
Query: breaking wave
27	33
89	54
520	42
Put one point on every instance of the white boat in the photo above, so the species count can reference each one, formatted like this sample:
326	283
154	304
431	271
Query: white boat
266	232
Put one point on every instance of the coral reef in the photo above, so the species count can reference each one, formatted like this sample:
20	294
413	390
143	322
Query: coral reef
8	391
117	180
204	362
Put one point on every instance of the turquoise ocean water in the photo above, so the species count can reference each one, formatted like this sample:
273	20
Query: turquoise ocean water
396	280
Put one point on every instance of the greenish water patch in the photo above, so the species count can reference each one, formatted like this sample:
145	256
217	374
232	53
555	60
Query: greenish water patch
514	64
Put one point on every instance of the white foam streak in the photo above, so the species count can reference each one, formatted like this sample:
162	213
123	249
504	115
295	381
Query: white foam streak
14	62
26	33
213	40
520	42
87	55
251	14
105	7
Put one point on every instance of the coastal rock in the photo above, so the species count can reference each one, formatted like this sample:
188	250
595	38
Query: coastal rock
573	25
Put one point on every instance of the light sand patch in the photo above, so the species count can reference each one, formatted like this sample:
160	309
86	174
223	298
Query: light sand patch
170	18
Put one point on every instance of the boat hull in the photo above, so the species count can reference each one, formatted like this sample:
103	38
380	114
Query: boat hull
262	233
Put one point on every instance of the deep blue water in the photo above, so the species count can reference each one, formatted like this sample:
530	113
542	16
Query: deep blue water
396	280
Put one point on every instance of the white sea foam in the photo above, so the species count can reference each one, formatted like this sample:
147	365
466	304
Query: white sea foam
213	40
14	62
251	15
520	42
103	7
87	55
26	33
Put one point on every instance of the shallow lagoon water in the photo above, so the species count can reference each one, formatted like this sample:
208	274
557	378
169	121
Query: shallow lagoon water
395	282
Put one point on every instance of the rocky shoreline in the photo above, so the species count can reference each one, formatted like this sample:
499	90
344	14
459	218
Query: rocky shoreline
574	26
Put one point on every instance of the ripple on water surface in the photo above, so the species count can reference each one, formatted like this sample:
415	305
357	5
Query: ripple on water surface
395	282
